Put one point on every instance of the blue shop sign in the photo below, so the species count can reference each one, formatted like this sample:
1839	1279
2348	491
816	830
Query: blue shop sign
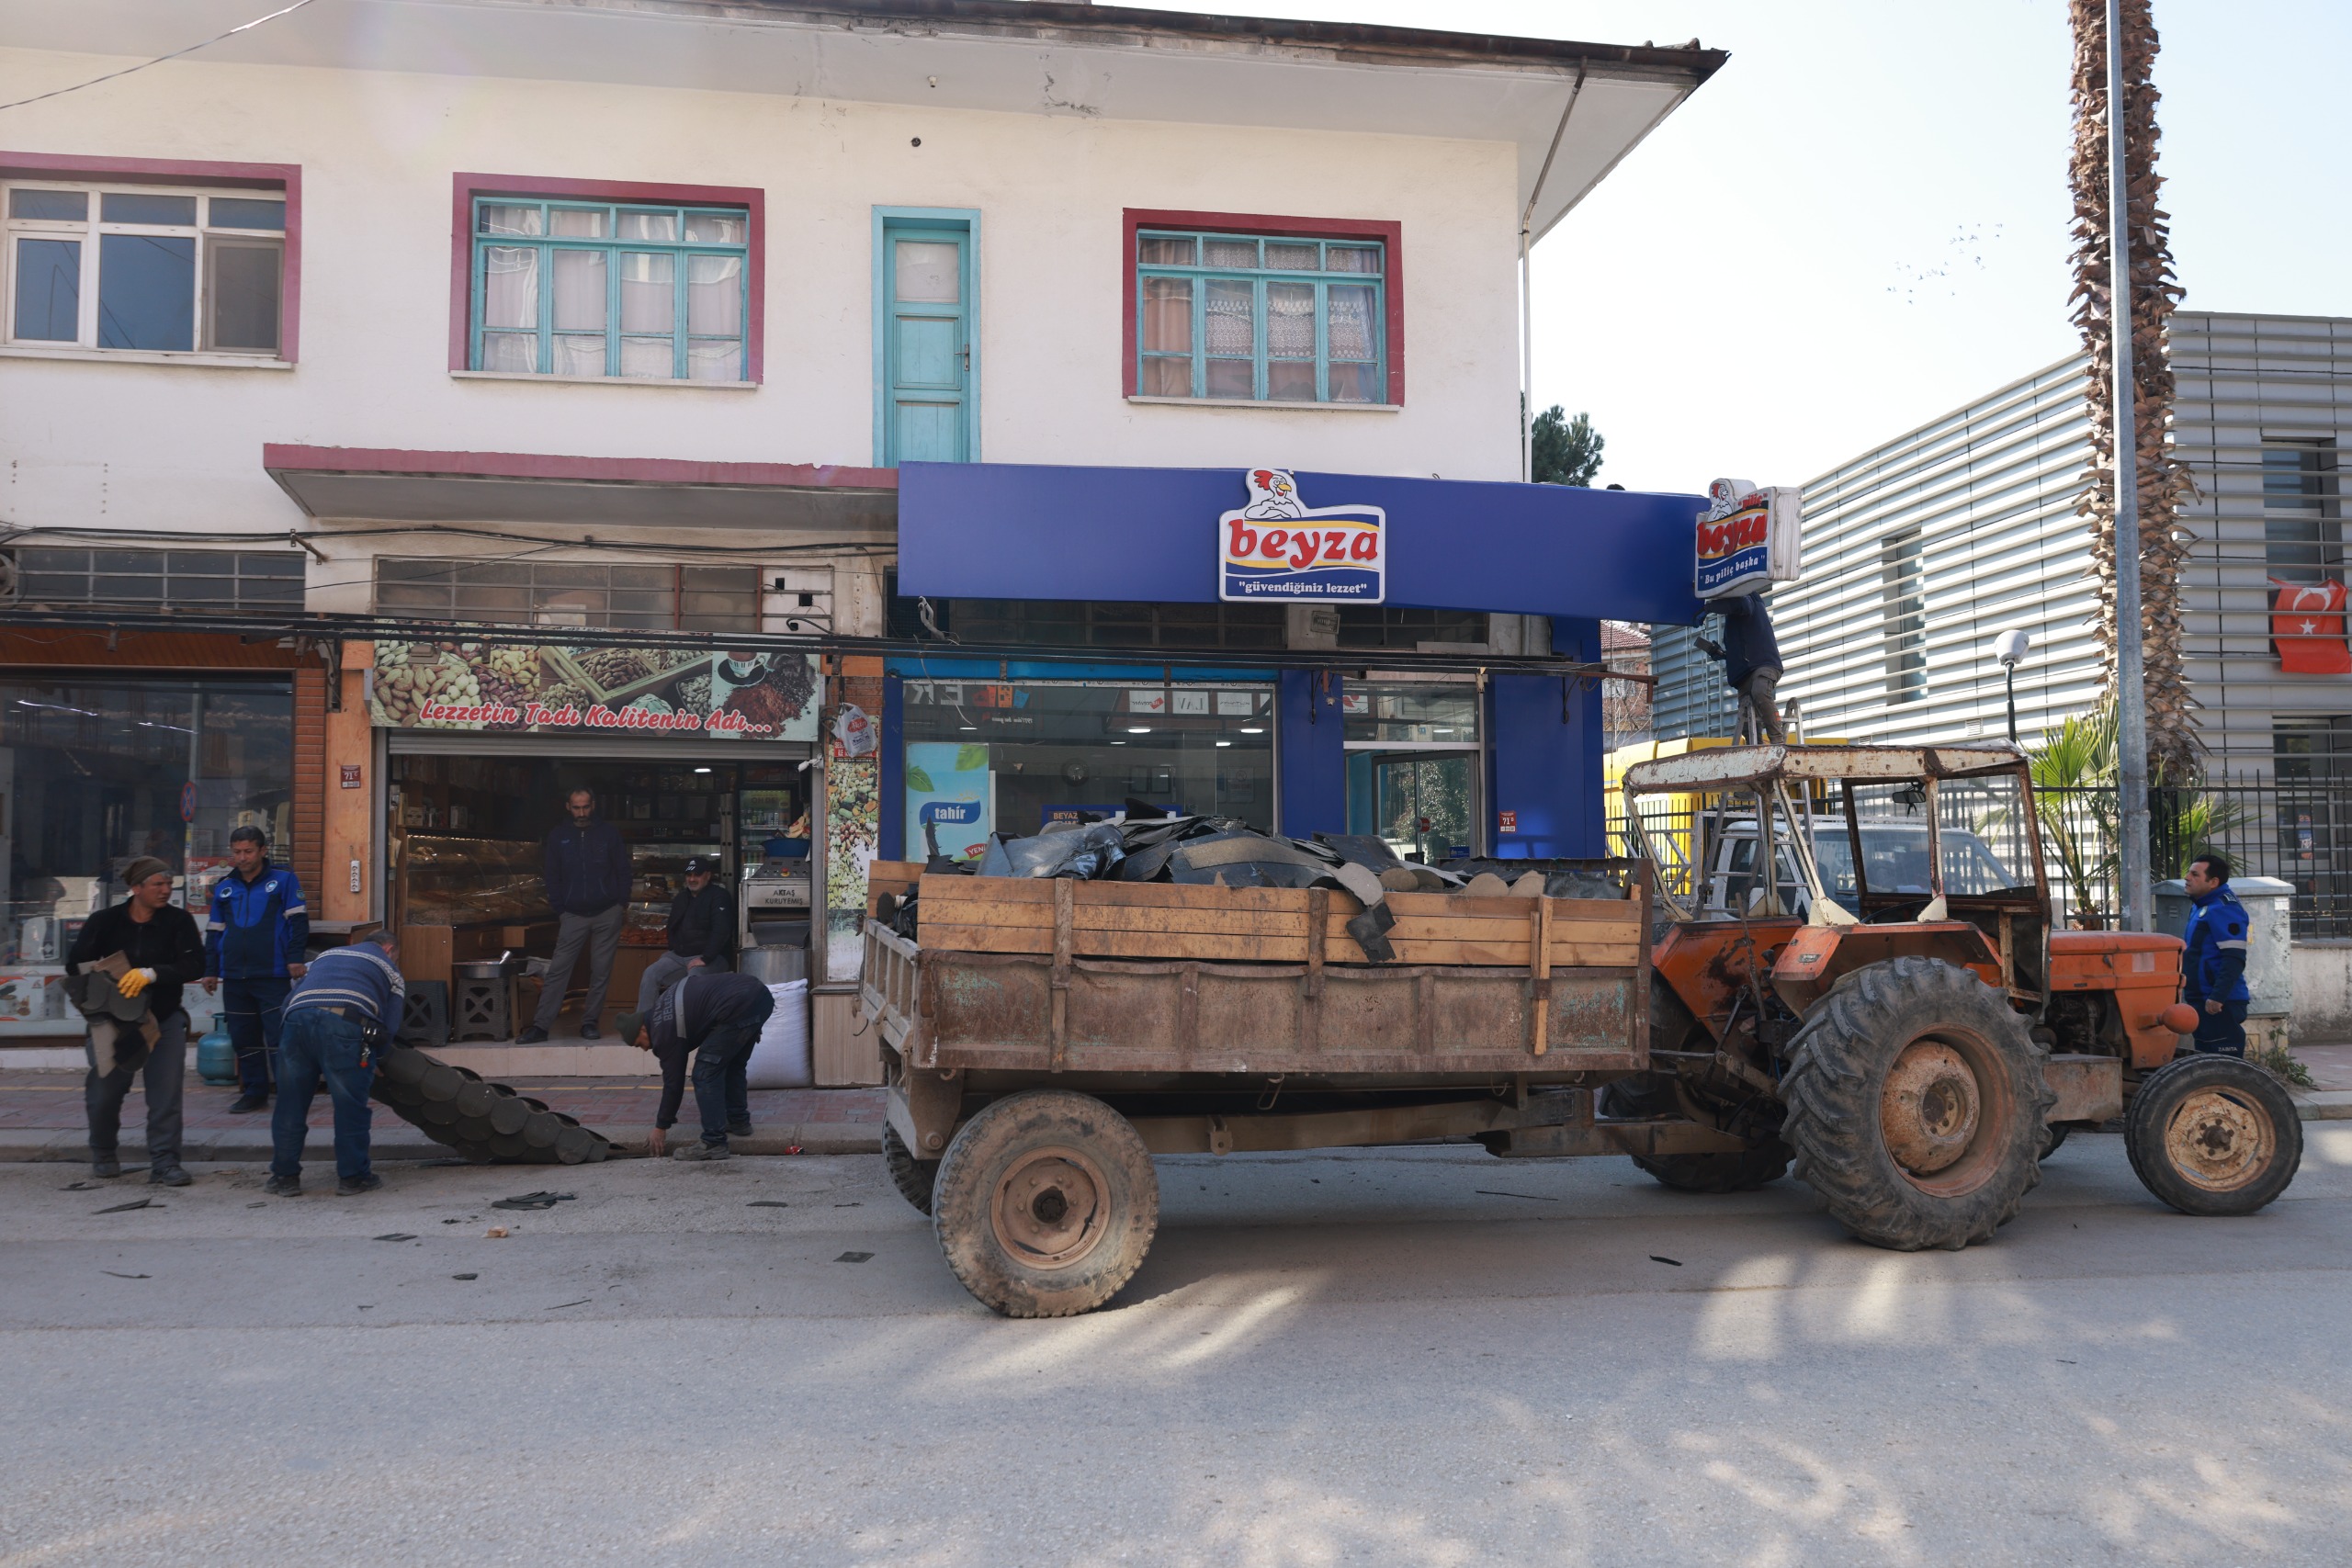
1038	531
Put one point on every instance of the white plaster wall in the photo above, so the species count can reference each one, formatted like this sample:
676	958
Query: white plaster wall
129	445
2323	982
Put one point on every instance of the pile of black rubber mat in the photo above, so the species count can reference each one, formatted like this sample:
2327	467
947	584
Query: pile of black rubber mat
485	1122
1222	852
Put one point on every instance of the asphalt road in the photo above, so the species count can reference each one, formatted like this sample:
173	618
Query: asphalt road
1425	1358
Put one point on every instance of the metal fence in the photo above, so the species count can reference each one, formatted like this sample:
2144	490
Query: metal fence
2297	830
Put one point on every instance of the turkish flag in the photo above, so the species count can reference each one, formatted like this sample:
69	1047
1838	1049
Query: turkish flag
2307	627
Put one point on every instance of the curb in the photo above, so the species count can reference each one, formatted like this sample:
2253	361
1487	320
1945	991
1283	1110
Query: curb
406	1144
2325	1105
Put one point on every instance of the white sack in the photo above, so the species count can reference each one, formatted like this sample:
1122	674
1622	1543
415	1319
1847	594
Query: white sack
780	1059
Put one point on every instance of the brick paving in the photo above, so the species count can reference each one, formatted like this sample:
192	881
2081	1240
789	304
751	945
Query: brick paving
51	1102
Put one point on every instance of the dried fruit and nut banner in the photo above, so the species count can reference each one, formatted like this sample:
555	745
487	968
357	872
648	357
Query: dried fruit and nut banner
594	691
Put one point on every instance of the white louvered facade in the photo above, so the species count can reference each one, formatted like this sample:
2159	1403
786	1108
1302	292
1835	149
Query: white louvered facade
1988	494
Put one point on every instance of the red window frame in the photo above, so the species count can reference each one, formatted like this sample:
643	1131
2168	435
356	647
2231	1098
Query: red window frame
1390	235
467	187
284	178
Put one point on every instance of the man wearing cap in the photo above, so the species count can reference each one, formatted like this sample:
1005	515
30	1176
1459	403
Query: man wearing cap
255	934
2212	970
702	933
719	1017
336	1020
164	952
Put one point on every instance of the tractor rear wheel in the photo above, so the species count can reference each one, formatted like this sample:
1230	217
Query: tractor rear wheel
2213	1135
1046	1204
1652	1094
1915	1100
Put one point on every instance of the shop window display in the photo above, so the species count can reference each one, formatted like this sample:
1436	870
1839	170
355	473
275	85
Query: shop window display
467	838
94	773
986	758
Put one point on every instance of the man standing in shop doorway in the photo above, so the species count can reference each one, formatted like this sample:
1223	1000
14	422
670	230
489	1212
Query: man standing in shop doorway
255	939
702	933
587	878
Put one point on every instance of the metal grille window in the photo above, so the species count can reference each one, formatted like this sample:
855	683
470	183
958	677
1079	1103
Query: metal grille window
162	270
1239	317
1902	568
646	293
571	593
1070	623
163	580
2302	528
1384	626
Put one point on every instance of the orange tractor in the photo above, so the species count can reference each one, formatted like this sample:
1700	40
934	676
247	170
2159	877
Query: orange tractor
1847	974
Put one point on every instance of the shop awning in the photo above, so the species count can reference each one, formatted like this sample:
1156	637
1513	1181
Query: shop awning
1016	530
399	485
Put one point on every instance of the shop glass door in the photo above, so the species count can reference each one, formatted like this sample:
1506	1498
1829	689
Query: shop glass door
1426	807
1414	775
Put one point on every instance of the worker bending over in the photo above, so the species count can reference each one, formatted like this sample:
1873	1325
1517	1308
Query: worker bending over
719	1017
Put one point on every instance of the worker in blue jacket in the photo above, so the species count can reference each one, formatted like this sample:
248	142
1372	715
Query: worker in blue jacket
2213	968
256	935
1751	657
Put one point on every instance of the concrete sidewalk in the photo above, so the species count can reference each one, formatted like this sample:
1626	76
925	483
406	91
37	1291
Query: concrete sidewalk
41	1119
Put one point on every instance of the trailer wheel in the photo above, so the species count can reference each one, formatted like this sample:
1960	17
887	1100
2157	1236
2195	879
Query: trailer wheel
2052	1134
1652	1095
915	1179
1046	1204
2213	1135
1915	1105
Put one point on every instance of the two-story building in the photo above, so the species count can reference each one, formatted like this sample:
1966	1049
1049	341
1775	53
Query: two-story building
413	413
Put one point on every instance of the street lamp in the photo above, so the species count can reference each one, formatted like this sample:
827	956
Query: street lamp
2008	648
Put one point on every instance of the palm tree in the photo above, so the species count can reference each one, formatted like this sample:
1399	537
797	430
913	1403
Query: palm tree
2162	482
2073	796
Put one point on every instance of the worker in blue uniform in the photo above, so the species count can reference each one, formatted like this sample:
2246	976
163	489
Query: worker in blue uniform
2212	970
257	935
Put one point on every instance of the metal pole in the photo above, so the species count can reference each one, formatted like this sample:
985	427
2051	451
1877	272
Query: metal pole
1527	290
2009	671
2131	680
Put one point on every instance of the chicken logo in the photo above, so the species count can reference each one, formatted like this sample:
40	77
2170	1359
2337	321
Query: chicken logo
1273	496
1325	554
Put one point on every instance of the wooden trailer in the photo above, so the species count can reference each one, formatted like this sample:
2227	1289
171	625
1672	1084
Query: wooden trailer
1044	1038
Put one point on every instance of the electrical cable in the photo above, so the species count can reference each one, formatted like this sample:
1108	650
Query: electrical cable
111	75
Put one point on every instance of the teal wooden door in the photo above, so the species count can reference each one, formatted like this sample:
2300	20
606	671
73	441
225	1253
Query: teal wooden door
927	351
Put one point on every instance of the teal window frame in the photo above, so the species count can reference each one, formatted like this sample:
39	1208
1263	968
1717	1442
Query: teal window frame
1258	278
614	248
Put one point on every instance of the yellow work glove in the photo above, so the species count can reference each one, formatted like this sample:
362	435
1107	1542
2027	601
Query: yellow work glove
138	980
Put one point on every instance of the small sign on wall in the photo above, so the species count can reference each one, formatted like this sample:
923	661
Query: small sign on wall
1507	822
351	775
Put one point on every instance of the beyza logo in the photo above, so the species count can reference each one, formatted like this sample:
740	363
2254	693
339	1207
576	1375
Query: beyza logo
1276	547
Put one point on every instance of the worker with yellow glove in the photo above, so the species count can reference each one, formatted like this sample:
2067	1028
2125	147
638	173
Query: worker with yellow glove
165	950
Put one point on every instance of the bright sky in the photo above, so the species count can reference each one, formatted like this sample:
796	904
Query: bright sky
1861	222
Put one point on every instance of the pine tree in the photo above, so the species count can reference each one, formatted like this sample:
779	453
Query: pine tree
1567	451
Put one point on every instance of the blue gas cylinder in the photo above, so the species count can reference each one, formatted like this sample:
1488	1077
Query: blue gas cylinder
216	1059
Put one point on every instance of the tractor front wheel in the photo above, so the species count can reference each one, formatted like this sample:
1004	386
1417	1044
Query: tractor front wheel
1915	1100
2213	1135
